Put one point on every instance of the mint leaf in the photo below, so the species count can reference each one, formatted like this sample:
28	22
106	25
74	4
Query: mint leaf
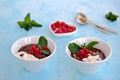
112	17
27	18
42	42
74	47
91	44
38	45
47	52
34	23
21	24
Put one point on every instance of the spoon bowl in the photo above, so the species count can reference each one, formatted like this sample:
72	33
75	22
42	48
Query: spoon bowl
81	18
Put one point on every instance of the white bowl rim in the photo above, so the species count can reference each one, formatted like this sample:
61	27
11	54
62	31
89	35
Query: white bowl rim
89	62
64	34
38	59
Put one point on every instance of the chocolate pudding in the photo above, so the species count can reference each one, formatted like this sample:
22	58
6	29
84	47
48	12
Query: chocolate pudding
27	48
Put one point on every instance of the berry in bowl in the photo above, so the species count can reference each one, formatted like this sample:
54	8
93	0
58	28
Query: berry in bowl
88	53
34	51
59	28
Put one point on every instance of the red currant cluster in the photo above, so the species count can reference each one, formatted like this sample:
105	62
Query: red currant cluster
35	50
62	27
83	53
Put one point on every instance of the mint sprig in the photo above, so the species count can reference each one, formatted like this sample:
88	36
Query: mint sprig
28	23
41	43
74	48
112	17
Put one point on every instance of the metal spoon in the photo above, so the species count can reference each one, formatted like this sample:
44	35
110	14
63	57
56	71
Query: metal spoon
82	19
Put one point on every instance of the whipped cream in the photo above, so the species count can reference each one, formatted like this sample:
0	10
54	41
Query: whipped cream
91	58
26	56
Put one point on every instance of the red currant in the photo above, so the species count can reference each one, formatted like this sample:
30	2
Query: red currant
44	48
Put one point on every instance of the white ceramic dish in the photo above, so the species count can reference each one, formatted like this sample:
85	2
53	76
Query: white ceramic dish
33	65
90	67
64	34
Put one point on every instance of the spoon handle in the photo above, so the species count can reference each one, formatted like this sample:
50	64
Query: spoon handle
101	29
105	29
98	27
109	29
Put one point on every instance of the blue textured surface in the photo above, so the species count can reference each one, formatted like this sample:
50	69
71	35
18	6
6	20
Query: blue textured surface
46	12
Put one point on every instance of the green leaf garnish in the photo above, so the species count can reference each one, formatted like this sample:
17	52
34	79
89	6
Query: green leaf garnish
38	45
34	23
47	52
28	23
42	42
21	24
74	47
91	44
27	18
112	17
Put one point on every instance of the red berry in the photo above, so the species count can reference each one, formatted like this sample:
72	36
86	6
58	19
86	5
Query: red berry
80	53
57	24
34	50
58	31
66	26
70	30
31	51
63	30
44	48
62	24
33	46
74	28
86	55
53	27
86	50
83	53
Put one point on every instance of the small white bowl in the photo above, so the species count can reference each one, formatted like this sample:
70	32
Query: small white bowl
64	34
90	67
33	65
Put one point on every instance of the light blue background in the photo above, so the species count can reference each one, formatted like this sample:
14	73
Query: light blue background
46	12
